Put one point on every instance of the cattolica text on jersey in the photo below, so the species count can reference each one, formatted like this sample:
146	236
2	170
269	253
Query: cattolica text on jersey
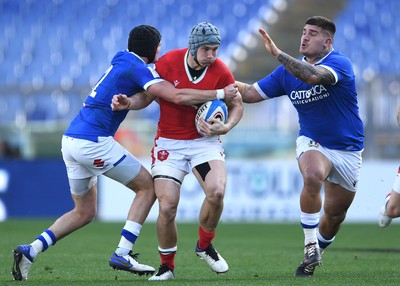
317	92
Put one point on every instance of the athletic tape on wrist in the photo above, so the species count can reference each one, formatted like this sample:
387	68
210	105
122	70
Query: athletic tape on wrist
220	94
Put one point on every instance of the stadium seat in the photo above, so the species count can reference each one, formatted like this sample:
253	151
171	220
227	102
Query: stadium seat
64	46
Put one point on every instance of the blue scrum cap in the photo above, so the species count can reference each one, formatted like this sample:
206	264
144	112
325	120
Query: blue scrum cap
203	34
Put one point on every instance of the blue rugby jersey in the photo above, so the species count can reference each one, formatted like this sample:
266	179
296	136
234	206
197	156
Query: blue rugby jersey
128	74
328	114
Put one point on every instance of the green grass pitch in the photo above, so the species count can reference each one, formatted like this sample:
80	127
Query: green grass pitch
258	254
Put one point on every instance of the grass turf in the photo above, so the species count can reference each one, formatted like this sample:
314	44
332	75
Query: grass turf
257	254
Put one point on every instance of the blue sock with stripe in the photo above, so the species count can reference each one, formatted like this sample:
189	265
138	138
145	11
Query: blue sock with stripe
309	223
324	242
43	242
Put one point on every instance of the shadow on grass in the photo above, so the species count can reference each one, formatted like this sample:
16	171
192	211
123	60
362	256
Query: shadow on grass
374	250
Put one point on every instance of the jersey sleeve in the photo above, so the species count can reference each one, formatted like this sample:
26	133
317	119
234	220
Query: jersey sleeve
272	85
147	76
340	67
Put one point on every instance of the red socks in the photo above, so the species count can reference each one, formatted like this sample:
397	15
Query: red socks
205	238
168	259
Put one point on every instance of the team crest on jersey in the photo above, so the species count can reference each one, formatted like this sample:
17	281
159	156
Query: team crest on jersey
313	143
162	155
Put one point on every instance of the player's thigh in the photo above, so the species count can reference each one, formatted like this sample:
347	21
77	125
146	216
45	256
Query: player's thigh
211	176
167	192
127	170
142	181
314	164
337	199
86	201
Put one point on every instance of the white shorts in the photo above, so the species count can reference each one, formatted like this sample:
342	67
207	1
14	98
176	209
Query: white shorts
86	159
396	184
346	165
176	158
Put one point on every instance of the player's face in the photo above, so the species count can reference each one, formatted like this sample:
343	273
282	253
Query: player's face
206	55
313	41
157	53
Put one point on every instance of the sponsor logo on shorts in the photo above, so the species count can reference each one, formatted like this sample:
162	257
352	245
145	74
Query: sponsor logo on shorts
99	163
162	155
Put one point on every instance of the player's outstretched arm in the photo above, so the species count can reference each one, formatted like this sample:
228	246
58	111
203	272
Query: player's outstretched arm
186	96
137	101
269	44
248	92
302	70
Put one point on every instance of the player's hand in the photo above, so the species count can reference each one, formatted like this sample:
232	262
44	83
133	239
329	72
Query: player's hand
230	91
120	102
269	44
213	127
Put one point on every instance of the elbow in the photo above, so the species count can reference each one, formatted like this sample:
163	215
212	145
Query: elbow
178	100
249	99
246	99
313	80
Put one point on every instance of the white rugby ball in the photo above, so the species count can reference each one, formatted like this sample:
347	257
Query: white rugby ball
211	109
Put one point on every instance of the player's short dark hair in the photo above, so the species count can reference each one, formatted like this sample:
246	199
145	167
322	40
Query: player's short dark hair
143	41
323	23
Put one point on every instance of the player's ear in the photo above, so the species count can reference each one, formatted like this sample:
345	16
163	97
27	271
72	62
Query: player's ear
328	42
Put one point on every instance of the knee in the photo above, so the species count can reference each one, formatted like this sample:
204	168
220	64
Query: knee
216	196
86	215
392	211
145	194
313	179
167	210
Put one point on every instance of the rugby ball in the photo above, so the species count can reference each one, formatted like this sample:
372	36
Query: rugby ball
211	109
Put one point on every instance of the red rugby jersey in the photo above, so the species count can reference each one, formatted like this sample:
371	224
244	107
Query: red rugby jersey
177	121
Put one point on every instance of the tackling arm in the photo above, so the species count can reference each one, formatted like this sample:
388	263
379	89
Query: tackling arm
186	96
248	92
137	101
141	100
